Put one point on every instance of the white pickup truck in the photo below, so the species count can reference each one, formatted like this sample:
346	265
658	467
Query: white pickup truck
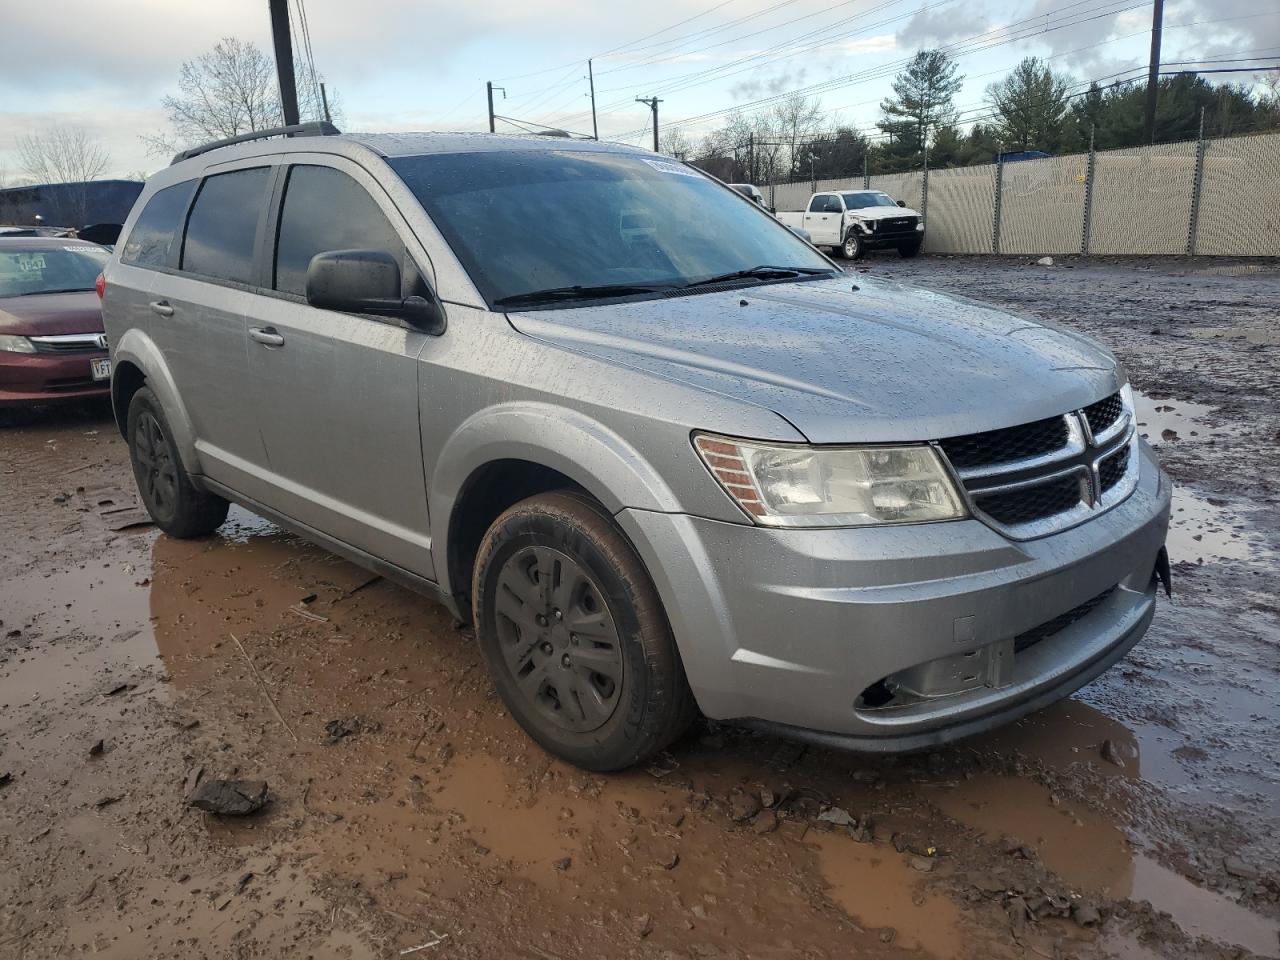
854	221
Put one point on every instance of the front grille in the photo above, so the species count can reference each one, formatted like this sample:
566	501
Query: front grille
1028	504
1004	446
1104	413
1059	623
1112	470
67	343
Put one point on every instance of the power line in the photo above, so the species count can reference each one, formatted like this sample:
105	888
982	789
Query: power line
959	49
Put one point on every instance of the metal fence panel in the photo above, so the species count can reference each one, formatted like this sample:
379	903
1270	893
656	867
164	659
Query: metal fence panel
908	187
1240	197
791	196
961	202
1145	200
1142	199
1042	205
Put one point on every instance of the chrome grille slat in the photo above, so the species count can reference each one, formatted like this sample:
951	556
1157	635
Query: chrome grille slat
1038	478
68	342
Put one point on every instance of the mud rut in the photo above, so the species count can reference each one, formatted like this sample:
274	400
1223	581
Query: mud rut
1139	819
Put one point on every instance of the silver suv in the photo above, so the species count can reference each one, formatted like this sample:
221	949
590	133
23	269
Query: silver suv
665	455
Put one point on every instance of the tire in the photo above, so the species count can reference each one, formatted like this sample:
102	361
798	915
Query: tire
175	504
909	249
853	247
563	603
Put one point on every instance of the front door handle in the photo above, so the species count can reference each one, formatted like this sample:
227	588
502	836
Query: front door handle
162	307
266	336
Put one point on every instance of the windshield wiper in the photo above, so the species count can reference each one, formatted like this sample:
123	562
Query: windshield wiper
581	292
34	293
762	272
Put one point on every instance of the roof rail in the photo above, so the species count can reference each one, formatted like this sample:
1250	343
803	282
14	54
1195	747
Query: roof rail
315	128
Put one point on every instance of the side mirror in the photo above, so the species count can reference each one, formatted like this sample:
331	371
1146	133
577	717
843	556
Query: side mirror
802	234
902	203
367	281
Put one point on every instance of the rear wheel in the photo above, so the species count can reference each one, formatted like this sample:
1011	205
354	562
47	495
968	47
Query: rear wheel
853	248
174	503
909	249
575	636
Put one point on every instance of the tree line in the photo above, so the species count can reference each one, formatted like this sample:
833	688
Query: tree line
1032	108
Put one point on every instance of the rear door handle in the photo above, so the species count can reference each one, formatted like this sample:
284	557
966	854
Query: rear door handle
162	308
266	336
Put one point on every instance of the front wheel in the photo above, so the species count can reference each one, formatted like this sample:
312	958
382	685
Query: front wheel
174	503
909	249
853	248
575	636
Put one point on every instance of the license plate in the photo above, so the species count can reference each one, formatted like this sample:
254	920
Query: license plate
101	369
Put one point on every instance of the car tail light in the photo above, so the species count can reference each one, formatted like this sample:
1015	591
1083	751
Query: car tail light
100	285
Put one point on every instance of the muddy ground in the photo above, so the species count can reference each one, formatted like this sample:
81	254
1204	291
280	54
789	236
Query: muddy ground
1139	819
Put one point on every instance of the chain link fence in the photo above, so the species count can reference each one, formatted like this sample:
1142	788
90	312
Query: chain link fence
1213	197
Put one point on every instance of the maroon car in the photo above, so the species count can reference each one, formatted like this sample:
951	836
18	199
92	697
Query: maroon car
52	344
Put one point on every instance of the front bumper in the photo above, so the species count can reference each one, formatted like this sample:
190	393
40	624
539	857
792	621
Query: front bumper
33	378
788	628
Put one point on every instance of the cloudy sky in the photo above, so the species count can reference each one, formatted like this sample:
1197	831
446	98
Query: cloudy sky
422	64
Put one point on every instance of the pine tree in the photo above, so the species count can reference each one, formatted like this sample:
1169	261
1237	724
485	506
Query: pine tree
922	101
1030	104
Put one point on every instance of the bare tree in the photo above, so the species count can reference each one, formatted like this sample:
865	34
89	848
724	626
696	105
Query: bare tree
797	119
674	143
62	155
230	90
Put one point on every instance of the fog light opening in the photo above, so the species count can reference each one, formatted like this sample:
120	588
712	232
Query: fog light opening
879	694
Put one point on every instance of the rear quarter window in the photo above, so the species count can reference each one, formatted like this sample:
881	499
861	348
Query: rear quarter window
151	241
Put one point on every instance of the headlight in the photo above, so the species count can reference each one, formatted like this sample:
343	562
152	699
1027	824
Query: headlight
798	486
14	344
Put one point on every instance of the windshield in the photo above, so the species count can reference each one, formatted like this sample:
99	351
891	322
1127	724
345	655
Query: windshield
868	198
50	270
523	221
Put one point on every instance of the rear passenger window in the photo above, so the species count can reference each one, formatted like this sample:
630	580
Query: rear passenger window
223	225
158	226
818	205
324	209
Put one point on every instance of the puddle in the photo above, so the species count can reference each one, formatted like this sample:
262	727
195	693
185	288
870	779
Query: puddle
1268	338
1170	421
1066	734
1203	913
877	888
1201	529
523	829
1092	854
1081	846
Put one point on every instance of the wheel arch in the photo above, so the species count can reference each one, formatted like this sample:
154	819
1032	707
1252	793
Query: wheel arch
503	455
137	362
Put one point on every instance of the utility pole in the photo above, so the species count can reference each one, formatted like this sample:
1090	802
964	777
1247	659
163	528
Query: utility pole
1153	71
284	60
489	88
652	103
591	78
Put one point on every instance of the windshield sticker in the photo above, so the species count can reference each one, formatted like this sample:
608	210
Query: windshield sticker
679	169
32	262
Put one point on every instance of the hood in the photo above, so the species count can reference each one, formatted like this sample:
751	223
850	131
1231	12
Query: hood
882	363
42	314
883	213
